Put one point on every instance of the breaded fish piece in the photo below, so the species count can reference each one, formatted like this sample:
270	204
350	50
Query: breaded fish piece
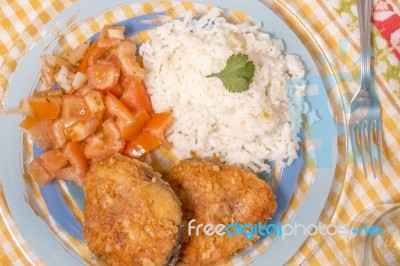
214	193
132	216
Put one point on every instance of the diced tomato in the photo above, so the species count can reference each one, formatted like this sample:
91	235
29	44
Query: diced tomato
158	124
100	53
72	174
39	173
41	134
104	143
144	97
127	60
85	60
117	108
111	40
110	127
74	106
45	107
131	129
49	92
104	86
103	75
117	90
53	161
135	96
142	117
78	53
128	130
58	132
29	122
107	115
76	129
94	100
24	108
128	88
126	49
83	90
81	129
131	68
75	156
141	145
125	81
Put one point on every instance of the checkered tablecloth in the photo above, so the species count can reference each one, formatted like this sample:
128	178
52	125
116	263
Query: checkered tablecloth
334	25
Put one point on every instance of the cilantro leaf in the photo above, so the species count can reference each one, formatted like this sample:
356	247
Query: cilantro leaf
237	74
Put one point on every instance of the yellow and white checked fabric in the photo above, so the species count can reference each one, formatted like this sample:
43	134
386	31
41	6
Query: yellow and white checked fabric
384	247
329	22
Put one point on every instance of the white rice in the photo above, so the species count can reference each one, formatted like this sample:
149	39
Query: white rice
245	128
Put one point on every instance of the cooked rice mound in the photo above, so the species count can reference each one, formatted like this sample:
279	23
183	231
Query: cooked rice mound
244	128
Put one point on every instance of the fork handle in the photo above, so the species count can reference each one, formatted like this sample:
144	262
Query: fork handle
364	8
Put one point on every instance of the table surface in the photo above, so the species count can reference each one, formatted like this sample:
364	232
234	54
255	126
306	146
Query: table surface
334	24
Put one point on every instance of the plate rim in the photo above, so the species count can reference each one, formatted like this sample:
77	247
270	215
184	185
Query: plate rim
223	3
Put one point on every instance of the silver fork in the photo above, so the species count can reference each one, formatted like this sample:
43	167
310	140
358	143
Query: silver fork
365	121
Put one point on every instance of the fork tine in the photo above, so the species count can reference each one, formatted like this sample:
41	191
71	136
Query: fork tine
352	129
371	146
362	137
379	132
353	141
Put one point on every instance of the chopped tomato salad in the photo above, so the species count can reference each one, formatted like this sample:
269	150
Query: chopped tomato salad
95	104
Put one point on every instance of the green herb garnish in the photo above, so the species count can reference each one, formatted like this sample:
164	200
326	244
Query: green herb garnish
237	74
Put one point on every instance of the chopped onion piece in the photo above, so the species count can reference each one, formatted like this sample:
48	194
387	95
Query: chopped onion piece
49	66
107	40
77	54
79	80
63	80
62	74
116	32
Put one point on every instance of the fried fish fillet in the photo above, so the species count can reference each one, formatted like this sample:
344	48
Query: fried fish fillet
214	193
132	216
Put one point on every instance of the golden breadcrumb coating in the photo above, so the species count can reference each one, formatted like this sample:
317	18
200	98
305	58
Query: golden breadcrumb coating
132	216
218	194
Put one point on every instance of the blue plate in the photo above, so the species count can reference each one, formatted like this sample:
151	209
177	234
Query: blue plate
65	218
51	246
